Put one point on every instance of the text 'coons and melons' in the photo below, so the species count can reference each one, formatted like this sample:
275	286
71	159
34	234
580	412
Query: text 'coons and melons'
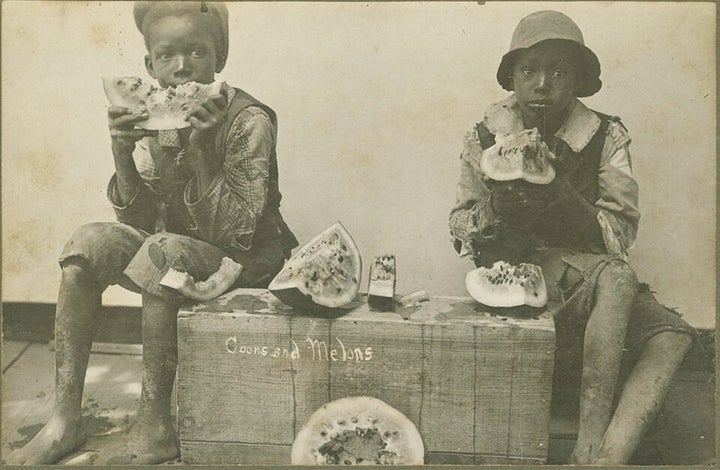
310	348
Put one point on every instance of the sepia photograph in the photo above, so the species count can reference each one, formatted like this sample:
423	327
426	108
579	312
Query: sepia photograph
358	233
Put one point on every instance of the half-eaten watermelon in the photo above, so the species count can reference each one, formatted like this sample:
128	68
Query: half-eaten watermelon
358	431
516	156
324	273
507	285
167	108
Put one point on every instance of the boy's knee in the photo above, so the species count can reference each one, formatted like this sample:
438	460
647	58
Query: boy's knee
619	277
88	234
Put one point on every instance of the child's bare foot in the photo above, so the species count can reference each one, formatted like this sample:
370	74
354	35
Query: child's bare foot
55	440
144	443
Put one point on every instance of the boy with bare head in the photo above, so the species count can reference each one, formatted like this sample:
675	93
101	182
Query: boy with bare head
184	199
577	228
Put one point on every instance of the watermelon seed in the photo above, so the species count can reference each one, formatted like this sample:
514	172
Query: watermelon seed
342	422
323	433
344	247
347	462
340	259
359	460
354	419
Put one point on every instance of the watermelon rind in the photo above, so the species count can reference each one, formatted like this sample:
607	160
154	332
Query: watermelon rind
402	440
330	261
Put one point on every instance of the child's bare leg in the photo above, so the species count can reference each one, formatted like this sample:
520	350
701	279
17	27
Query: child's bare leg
602	355
642	396
75	320
152	437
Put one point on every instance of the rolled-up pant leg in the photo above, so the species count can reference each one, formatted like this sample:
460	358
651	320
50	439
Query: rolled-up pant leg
104	250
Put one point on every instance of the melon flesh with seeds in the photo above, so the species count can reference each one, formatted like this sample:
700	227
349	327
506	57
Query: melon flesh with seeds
358	431
324	273
507	285
521	155
167	108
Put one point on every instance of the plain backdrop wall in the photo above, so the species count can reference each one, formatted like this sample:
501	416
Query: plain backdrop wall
373	101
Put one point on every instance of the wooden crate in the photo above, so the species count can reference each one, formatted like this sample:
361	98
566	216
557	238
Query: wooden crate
252	370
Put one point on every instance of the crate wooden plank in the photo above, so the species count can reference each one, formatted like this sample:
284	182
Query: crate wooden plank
378	361
234	453
493	379
449	390
247	360
311	370
530	400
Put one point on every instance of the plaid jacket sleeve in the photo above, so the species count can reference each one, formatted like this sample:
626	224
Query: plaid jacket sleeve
226	215
140	212
472	219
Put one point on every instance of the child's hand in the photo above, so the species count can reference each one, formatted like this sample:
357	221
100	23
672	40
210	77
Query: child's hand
206	119
123	132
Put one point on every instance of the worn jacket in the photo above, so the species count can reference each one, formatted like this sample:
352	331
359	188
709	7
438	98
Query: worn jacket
240	209
596	156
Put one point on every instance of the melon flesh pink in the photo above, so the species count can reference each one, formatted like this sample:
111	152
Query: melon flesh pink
517	156
324	273
168	108
507	285
358	431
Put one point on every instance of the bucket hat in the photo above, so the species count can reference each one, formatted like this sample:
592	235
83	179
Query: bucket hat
551	25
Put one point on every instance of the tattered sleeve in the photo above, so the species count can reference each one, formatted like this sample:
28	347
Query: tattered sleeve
472	219
618	192
227	213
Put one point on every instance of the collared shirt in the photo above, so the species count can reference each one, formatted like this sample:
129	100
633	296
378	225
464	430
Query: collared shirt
472	218
226	214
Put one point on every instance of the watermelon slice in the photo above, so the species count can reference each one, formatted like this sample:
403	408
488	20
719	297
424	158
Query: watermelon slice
518	156
506	285
168	108
324	273
216	284
358	431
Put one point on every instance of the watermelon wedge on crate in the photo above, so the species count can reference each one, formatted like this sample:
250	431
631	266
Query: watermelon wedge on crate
324	273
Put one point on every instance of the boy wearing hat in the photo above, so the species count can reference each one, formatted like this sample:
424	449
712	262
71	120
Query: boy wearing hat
184	199
577	229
